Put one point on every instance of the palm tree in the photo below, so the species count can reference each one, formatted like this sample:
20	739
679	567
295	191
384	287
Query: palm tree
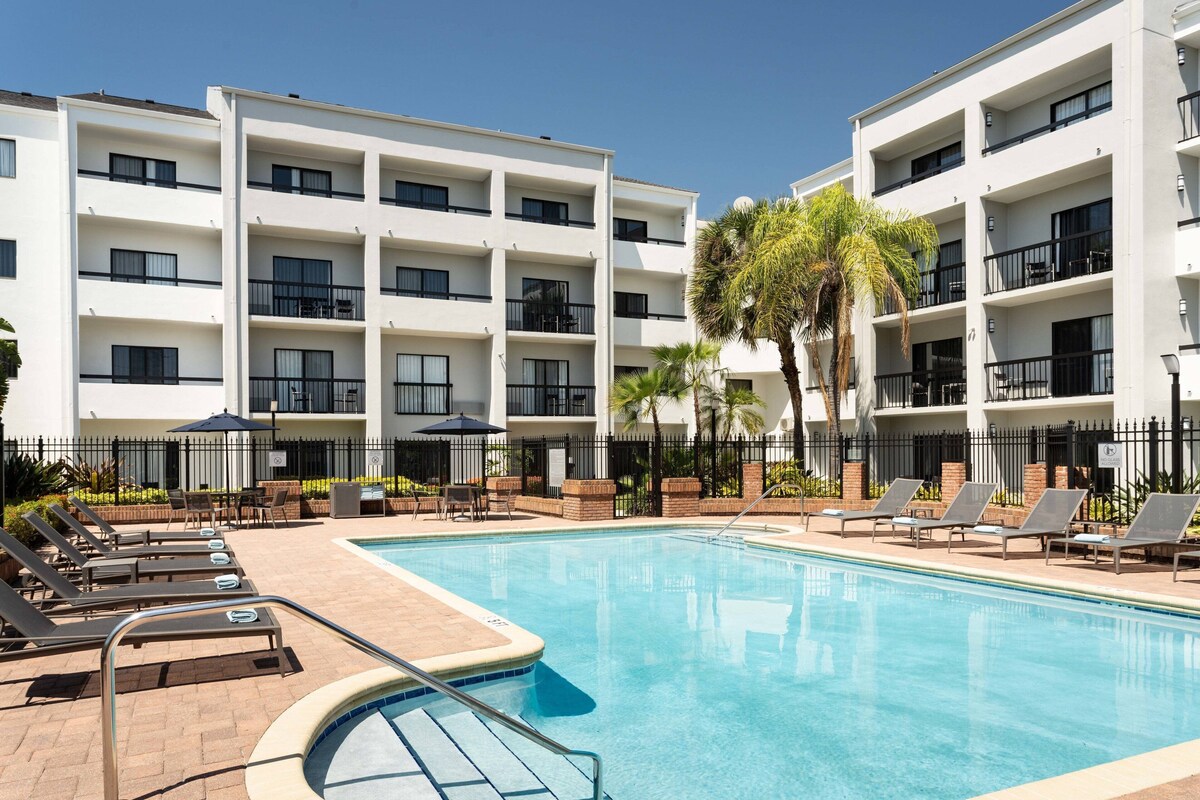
10	359
692	364
730	302
639	393
737	411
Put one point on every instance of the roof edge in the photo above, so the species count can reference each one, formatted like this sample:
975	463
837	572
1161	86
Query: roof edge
208	122
846	165
652	185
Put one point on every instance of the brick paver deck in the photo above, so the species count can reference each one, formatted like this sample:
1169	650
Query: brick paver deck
189	714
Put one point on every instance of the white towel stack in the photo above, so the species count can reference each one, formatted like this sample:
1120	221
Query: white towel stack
833	512
1092	538
905	520
208	531
219	558
989	529
229	581
249	615
216	544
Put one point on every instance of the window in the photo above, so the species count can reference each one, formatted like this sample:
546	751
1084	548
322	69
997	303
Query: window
158	365
304	381
317	182
146	171
8	258
1080	106
938	377
301	286
629	304
544	392
413	282
9	368
134	266
422	384
8	158
739	383
621	371
550	212
422	195
1086	239
630	230
948	156
1081	360
545	372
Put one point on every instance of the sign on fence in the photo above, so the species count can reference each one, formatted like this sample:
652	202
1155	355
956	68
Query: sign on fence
556	466
1110	455
277	458
375	458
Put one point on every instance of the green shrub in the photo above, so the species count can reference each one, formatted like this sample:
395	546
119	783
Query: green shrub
129	497
399	486
22	530
1008	497
929	492
813	485
26	478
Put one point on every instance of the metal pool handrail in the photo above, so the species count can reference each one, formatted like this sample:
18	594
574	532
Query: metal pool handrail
108	670
757	500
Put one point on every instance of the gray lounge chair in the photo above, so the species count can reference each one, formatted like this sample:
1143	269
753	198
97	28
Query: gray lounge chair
108	530
132	595
1163	520
129	570
894	501
133	551
1050	517
964	512
143	535
49	637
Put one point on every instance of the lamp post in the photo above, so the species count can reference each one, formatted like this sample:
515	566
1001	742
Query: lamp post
1171	362
714	405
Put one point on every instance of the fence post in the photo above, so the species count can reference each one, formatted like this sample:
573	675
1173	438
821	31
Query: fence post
253	462
1070	454
866	460
1153	451
970	465
187	464
656	476
2	463
116	468
1033	459
41	448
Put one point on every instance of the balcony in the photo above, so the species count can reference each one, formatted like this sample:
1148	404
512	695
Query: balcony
103	397
423	398
305	301
1043	130
309	191
1074	256
540	317
445	208
935	287
172	300
159	182
308	395
1082	374
921	389
428	295
551	401
920	176
647	240
1189	115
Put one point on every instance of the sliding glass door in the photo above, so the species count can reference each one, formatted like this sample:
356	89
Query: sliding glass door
302	287
304	380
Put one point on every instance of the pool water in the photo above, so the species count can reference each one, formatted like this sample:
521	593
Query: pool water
714	671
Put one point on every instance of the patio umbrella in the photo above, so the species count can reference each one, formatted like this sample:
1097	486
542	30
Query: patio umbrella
225	423
460	426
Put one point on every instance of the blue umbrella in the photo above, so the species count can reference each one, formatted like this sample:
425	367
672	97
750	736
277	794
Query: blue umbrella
223	423
461	426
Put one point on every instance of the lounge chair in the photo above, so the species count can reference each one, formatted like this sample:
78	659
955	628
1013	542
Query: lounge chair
1163	520
965	512
1050	517
893	502
137	536
129	570
132	595
49	637
134	550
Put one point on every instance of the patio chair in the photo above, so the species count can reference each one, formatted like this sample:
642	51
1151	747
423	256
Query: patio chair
500	501
301	400
892	504
964	512
1050	517
131	595
343	309
178	506
278	504
199	506
1162	521
142	536
460	498
1036	272
48	637
135	550
418	496
129	570
347	401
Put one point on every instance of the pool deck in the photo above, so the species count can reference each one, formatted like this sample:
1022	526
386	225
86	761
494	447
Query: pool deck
191	714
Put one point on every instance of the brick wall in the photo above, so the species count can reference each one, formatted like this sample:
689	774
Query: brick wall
550	506
1035	483
854	481
681	497
752	480
588	500
954	475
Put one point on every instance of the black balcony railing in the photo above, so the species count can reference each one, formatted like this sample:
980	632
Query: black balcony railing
647	240
147	279
649	315
147	380
921	389
1073	256
287	188
1036	132
423	398
443	207
570	223
1187	223
162	184
936	287
532	315
1064	375
424	295
920	176
308	395
1189	115
551	401
305	300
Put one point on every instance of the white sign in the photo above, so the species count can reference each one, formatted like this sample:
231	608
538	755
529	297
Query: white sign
556	466
375	458
277	458
1110	455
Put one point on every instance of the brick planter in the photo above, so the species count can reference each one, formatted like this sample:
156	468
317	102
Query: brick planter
588	500
681	497
1035	483
954	475
502	484
550	506
752	480
854	481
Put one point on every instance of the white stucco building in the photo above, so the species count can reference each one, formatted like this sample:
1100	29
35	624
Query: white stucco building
365	273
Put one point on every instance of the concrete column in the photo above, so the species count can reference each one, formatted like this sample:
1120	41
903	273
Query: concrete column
378	375
496	346
976	350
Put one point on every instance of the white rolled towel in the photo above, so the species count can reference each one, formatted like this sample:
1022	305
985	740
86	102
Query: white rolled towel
248	615
208	531
834	512
989	529
905	521
219	558
1092	538
229	581
216	544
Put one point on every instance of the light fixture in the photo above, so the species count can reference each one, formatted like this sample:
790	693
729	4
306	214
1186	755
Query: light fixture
1186	422
1180	183
1183	306
992	428
991	324
683	220
987	119
1181	56
991	223
274	406
1171	362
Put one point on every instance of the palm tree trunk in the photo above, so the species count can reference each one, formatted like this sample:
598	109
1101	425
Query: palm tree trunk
791	377
654	418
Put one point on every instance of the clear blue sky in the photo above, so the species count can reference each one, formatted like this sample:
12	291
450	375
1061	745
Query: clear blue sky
724	98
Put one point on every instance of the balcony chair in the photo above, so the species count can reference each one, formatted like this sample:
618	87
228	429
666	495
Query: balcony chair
301	401
347	401
1036	272
579	404
343	309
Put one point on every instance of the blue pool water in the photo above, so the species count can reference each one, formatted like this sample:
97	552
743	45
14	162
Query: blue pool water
704	670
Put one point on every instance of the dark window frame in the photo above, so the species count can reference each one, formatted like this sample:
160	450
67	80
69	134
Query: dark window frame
1088	108
622	308
564	206
424	291
740	383
13	242
426	408
143	278
14	158
423	203
621	370
298	188
939	157
145	378
621	226
143	180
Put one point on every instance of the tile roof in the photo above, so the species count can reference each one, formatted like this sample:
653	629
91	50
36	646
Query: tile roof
27	100
148	105
648	183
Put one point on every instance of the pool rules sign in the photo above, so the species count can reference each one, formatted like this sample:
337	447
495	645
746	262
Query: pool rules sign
1110	455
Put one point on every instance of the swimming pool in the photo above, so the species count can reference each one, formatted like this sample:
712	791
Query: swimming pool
698	666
